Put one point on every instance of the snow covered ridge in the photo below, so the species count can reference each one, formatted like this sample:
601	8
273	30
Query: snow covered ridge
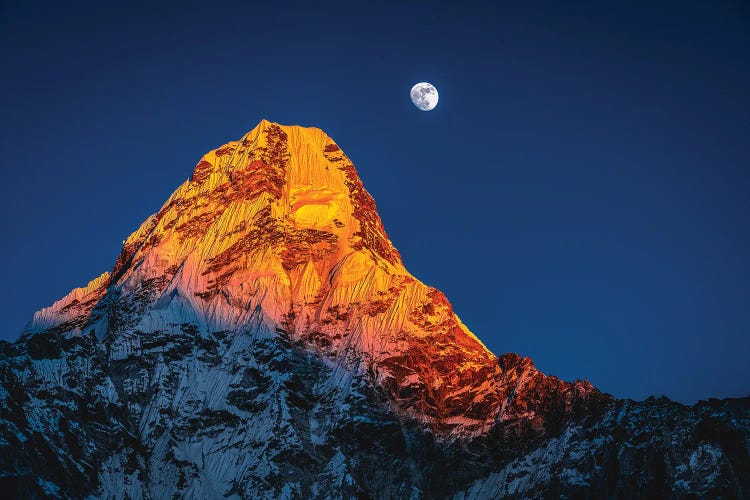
72	311
278	225
259	337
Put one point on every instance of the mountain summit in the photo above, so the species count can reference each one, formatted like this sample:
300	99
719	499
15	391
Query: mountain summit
259	336
276	231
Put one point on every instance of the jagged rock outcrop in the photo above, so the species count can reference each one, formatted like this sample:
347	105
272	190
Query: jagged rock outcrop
259	336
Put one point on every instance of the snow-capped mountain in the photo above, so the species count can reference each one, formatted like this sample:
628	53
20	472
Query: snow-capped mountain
259	337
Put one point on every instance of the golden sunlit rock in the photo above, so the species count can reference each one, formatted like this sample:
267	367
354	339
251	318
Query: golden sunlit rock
278	227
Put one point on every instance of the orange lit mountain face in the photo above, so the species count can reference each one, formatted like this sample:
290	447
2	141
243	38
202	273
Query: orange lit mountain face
259	337
278	227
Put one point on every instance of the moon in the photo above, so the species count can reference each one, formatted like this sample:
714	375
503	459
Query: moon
424	96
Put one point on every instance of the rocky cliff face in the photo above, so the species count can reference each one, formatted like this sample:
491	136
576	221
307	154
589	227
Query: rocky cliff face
260	337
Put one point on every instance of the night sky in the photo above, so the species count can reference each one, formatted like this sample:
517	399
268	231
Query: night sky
581	193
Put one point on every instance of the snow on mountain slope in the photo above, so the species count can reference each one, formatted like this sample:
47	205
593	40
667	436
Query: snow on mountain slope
71	312
260	337
278	226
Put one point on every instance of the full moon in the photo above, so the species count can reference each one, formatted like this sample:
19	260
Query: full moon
424	96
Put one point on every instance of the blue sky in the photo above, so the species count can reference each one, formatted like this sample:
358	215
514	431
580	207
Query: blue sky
581	193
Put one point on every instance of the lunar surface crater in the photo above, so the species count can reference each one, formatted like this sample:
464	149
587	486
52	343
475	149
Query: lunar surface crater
424	96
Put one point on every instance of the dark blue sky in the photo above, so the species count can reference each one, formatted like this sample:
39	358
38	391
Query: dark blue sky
581	193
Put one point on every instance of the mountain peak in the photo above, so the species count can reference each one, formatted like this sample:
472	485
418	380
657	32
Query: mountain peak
259	336
276	231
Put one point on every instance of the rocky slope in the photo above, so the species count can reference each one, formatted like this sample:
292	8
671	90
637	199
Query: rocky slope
259	337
